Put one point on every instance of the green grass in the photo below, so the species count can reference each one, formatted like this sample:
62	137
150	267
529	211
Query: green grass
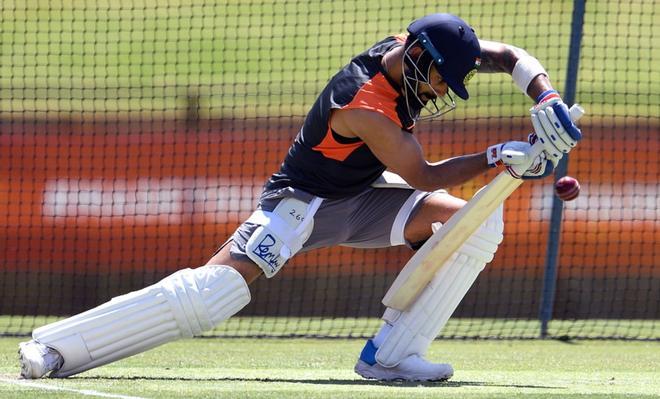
268	57
350	327
268	368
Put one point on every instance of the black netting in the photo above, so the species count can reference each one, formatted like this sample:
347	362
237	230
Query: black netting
135	138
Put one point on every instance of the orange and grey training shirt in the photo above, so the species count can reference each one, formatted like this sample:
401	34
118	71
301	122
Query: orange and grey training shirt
328	165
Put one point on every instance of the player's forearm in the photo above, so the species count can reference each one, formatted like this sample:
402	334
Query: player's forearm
451	172
540	84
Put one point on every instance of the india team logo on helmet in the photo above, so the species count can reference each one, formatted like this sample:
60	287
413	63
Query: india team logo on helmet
473	71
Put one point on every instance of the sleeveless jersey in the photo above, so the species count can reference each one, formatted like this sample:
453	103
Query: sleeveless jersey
328	165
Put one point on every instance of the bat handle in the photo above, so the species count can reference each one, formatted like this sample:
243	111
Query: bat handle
576	112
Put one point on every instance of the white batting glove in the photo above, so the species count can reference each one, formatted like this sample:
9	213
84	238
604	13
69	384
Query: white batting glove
519	160
553	126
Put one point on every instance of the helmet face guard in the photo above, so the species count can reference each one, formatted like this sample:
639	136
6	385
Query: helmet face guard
417	71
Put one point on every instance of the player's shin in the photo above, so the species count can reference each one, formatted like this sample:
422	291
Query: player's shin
182	305
413	330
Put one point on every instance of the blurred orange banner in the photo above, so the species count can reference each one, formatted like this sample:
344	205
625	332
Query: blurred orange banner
135	194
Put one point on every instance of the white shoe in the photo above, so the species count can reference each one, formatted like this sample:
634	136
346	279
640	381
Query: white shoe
412	368
37	359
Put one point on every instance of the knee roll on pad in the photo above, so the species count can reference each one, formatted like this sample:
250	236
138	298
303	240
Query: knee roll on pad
414	329
181	305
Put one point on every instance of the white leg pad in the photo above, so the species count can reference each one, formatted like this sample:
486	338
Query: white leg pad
415	329
181	305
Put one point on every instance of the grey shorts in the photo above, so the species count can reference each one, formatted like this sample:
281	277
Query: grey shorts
375	218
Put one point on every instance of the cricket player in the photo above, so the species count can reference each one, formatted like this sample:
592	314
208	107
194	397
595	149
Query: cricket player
331	189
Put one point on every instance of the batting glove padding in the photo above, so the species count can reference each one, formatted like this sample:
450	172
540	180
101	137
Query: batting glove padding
553	126
519	160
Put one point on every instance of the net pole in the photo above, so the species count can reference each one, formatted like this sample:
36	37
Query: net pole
552	252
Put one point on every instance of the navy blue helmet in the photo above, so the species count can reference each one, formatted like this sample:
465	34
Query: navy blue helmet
449	44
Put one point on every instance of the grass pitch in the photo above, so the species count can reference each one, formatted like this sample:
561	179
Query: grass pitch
309	368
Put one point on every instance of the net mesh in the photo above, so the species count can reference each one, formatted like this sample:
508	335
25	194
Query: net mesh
136	135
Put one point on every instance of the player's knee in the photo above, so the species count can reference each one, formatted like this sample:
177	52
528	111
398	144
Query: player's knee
433	211
445	205
440	206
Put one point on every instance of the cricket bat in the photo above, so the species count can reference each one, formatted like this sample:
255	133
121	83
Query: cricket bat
421	268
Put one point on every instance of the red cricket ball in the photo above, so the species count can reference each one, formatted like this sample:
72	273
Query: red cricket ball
567	188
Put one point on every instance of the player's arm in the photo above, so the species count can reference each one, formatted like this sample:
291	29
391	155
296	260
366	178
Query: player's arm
402	154
500	57
550	116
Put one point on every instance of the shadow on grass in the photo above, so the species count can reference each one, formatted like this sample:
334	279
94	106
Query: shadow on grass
324	381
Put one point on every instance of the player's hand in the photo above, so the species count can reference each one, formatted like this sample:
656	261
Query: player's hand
519	160
553	126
